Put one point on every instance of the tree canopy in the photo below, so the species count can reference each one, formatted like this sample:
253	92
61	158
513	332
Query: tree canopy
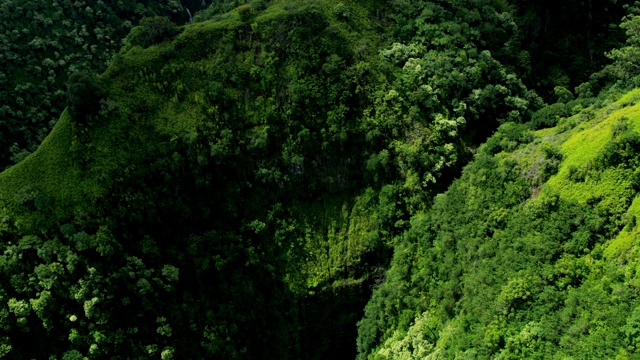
318	179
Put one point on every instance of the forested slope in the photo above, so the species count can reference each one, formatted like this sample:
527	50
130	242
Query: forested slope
236	187
530	254
231	187
43	42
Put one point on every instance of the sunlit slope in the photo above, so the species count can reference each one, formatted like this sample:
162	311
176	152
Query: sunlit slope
532	253
583	145
616	188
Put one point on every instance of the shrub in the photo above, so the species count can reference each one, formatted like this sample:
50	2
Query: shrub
575	174
244	11
83	96
563	94
153	30
548	116
508	137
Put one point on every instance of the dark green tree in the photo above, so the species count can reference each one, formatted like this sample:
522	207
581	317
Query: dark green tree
83	96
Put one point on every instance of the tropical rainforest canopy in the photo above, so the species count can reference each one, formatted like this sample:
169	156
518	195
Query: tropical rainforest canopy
319	179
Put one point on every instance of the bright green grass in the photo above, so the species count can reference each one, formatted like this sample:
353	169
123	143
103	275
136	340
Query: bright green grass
583	145
629	98
627	237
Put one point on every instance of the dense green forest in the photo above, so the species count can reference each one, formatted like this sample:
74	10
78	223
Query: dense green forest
43	42
319	179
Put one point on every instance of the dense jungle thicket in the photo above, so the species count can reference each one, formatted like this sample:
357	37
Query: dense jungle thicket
319	179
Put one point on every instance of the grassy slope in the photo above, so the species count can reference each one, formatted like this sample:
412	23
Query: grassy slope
49	170
43	42
597	288
148	114
610	282
125	139
583	145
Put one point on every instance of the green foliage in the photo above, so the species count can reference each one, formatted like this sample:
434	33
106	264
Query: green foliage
548	116
625	59
563	43
181	184
234	188
508	137
83	97
512	267
187	201
153	30
563	94
41	44
442	56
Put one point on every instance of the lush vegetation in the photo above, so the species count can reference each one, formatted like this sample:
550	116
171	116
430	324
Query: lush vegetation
509	265
237	187
43	42
531	253
565	42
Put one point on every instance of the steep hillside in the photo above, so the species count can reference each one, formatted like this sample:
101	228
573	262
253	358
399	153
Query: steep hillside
232	188
42	43
159	216
532	253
